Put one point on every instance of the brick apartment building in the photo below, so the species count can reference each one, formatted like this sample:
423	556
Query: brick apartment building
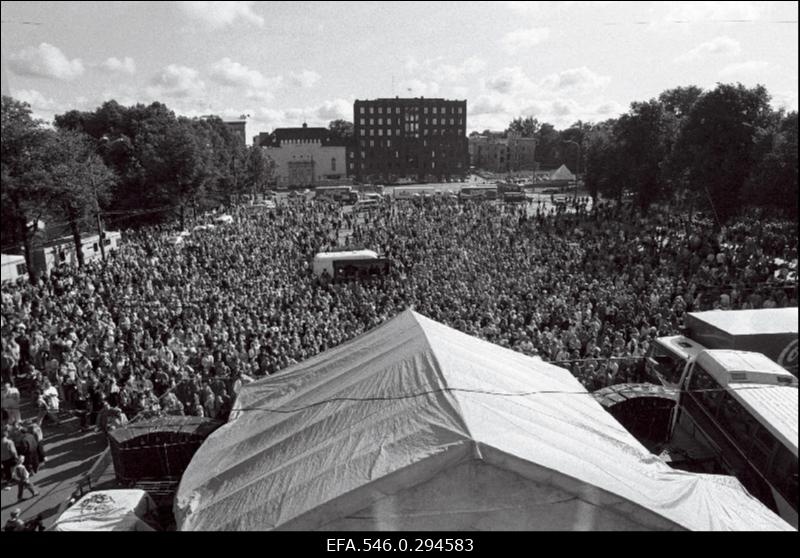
420	139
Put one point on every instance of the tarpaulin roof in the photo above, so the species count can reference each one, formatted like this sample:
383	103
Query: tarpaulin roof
107	510
416	426
562	173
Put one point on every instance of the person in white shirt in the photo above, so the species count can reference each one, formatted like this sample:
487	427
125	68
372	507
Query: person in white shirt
10	403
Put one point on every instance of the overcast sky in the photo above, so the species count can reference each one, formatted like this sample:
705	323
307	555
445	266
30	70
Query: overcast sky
284	63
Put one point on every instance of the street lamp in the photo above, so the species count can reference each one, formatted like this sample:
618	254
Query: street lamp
577	170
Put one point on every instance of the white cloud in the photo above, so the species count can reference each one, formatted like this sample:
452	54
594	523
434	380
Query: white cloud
37	101
115	65
254	83
575	79
744	69
221	14
487	105
306	78
707	12
176	81
719	46
334	110
45	61
786	100
521	39
510	81
437	70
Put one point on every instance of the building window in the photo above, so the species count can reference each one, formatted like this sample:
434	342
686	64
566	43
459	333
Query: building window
460	110
396	154
435	121
372	110
397	110
434	110
388	143
363	132
452	121
371	121
380	121
388	121
362	121
425	110
380	131
380	110
371	132
389	132
362	110
352	166
363	155
372	143
333	163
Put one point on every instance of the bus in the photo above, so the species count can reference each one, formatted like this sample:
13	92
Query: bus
344	194
478	193
357	264
742	407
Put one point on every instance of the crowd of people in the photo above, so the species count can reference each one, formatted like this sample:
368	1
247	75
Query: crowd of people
166	328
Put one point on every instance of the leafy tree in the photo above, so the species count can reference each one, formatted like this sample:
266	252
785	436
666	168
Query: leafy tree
526	127
27	193
80	180
259	169
773	182
717	143
341	129
680	100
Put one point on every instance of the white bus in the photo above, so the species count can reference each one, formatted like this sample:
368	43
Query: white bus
349	265
742	406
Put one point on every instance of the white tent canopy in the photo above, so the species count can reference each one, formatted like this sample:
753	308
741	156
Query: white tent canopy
562	173
416	426
107	510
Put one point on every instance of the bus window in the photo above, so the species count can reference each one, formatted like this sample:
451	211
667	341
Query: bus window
783	475
737	421
708	391
763	445
667	364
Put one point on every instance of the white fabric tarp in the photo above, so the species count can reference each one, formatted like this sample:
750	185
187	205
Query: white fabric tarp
416	426
107	510
562	173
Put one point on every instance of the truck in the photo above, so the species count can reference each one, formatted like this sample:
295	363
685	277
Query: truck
771	331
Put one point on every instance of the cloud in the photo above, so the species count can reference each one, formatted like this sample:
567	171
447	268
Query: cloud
440	71
334	110
45	61
176	81
487	105
255	85
786	100
510	81
744	69
115	65
306	78
221	14
705	12
521	39
719	46
575	79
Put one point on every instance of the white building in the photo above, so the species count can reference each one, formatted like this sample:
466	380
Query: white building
62	250
13	267
305	156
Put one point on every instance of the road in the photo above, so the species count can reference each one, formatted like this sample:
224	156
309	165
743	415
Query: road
70	454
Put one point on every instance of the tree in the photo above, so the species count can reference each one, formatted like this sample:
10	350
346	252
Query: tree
680	100
717	144
27	193
259	169
644	133
526	127
341	129
773	182
81	181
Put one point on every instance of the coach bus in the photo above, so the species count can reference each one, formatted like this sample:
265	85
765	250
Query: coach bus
742	407
357	264
344	194
478	193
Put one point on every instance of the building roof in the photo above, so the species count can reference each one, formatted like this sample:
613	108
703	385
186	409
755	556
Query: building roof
302	133
11	259
417	426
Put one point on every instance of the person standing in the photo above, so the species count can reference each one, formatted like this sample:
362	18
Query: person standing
10	403
30	449
9	457
23	479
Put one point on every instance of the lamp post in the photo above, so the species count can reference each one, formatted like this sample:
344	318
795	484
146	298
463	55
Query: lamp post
577	170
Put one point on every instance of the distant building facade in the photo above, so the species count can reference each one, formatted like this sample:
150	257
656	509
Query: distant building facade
305	156
498	154
418	138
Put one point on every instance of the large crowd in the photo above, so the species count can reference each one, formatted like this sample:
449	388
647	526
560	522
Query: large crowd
166	328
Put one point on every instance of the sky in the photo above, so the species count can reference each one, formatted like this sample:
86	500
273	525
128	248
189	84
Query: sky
285	63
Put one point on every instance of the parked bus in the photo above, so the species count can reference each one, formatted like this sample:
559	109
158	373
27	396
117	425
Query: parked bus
478	193
742	407
342	194
349	265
